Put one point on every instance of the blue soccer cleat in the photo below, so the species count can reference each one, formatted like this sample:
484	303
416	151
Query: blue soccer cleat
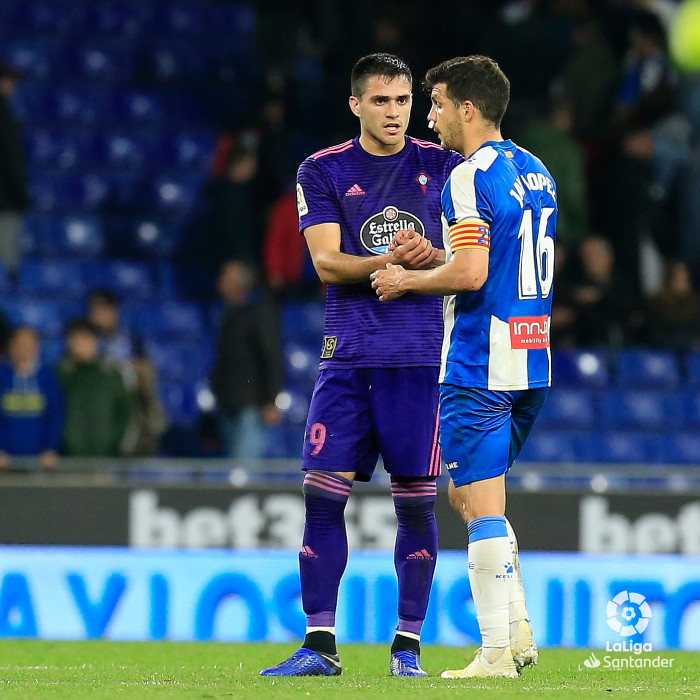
305	662
406	663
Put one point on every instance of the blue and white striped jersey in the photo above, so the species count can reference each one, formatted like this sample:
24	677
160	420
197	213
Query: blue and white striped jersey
503	199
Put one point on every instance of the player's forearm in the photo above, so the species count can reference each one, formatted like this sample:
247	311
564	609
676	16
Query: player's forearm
442	281
334	267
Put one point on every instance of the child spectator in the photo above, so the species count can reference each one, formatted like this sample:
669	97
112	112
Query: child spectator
31	405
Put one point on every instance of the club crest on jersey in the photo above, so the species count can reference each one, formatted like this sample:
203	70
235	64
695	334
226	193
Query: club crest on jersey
423	181
379	230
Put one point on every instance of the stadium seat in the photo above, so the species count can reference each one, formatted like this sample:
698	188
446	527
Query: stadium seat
156	237
122	149
303	322
31	103
129	280
691	410
115	17
627	448
36	59
559	446
647	369
181	362
48	317
642	410
53	278
81	105
180	402
580	368
174	194
138	107
52	350
179	17
301	366
569	409
692	366
105	62
682	448
56	148
174	320
41	18
4	280
72	235
188	150
174	62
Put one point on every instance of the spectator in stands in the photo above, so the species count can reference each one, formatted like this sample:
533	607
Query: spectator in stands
287	264
14	196
31	405
97	403
673	315
115	343
147	418
603	302
550	139
247	373
231	215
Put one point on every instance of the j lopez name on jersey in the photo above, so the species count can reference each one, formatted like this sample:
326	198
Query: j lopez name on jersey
379	230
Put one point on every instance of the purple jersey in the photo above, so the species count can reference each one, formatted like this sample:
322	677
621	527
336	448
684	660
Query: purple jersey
371	198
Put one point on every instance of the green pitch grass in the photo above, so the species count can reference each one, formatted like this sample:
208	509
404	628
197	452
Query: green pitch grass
39	669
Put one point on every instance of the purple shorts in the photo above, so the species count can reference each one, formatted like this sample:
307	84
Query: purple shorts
357	414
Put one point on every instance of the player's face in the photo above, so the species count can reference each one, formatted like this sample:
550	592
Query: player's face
384	110
445	116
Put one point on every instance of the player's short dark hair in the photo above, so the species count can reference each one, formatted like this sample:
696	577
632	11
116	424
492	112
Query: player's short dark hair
478	79
384	65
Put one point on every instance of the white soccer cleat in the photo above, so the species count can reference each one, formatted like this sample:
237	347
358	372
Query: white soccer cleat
523	647
502	667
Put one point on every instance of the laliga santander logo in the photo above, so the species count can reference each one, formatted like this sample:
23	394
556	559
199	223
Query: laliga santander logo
628	613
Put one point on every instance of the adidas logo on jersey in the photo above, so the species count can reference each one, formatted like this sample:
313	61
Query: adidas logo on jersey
306	551
423	554
355	191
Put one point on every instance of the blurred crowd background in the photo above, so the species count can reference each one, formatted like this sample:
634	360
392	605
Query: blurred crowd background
157	298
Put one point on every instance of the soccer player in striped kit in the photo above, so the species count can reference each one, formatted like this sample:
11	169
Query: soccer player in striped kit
499	219
377	390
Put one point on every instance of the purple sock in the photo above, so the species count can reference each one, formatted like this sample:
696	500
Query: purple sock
324	553
416	548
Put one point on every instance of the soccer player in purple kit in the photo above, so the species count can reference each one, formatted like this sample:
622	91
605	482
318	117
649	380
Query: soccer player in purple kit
377	390
499	217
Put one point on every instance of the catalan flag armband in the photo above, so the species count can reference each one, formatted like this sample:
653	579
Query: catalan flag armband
470	234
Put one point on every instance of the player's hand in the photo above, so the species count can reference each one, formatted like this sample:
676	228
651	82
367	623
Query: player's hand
411	250
386	282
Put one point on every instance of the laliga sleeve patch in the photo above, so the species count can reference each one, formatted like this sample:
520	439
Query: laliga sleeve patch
470	234
302	207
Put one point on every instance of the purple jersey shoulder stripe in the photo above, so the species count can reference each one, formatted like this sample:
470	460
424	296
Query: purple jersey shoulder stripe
333	149
425	144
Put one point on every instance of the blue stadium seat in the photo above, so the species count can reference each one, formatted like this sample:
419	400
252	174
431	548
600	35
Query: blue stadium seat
647	369
115	17
174	194
129	280
48	317
47	191
294	406
559	446
36	59
169	319
180	402
569	409
155	237
4	280
121	149
691	409
139	107
188	150
642	410
303	322
82	105
104	62
179	17
51	277
41	17
181	362
56	148
57	191
236	21
628	448
301	366
73	235
175	62
31	102
682	448
52	350
580	368
692	366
